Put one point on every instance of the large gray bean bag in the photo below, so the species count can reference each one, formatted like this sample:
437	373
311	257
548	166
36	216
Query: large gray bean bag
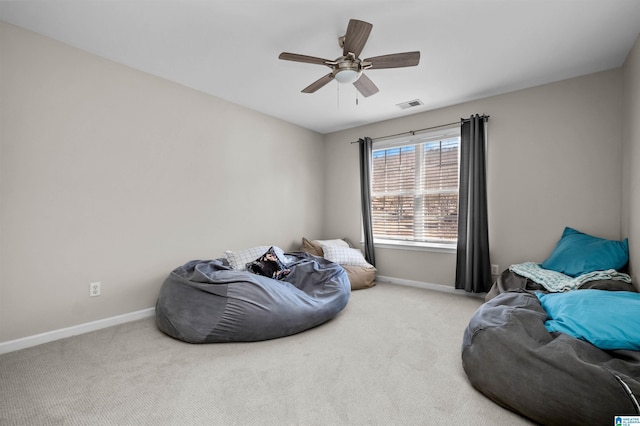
552	378
208	301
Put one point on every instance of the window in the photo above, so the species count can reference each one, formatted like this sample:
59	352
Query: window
414	189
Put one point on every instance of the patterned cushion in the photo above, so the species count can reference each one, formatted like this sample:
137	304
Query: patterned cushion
344	255
335	242
315	247
268	265
239	259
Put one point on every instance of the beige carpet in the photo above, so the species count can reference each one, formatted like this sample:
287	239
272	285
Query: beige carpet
392	357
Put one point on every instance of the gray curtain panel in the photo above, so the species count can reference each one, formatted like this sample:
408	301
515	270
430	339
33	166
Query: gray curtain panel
473	267
366	148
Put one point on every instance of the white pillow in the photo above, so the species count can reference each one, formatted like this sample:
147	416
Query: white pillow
239	259
341	243
344	255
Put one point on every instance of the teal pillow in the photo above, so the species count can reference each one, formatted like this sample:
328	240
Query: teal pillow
577	253
606	319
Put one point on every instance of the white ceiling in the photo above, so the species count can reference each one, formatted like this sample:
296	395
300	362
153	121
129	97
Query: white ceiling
470	49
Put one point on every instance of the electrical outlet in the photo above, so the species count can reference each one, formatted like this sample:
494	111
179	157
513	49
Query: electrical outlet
94	289
495	269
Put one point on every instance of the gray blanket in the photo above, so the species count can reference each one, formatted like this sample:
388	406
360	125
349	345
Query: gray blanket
552	378
206	301
509	281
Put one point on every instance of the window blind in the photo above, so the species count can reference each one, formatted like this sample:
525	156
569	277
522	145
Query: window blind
415	188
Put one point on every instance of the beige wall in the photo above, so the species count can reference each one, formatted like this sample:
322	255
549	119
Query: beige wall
554	156
108	174
631	157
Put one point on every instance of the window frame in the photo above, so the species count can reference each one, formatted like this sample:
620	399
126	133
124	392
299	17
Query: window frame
415	139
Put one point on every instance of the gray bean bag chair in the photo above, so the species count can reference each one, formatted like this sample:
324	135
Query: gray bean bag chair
206	301
549	377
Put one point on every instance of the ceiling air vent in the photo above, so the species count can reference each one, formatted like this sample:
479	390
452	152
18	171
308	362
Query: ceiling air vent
410	104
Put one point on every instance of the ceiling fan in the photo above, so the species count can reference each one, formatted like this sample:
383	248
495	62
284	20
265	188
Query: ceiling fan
348	68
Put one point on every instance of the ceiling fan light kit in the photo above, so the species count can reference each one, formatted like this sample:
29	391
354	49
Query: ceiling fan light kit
348	76
349	68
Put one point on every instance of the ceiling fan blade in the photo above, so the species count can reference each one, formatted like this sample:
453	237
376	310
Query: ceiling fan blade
366	86
321	82
302	58
395	60
356	37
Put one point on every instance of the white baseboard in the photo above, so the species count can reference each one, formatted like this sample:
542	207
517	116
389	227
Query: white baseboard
50	336
428	286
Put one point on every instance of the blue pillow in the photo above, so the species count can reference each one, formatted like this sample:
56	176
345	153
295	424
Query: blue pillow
577	254
607	319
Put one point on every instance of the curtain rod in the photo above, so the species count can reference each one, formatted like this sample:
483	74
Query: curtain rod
413	132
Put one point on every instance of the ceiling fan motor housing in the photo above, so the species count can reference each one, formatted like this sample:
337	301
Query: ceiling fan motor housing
347	69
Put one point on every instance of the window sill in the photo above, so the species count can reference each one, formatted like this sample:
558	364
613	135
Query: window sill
407	245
